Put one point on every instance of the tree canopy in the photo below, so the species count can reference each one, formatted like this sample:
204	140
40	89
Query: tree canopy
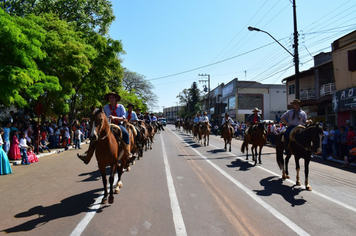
58	53
190	99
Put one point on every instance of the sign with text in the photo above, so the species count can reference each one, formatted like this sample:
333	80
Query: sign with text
344	100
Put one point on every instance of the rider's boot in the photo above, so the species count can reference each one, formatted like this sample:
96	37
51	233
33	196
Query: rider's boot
86	157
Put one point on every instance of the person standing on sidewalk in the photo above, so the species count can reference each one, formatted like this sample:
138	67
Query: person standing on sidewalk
5	167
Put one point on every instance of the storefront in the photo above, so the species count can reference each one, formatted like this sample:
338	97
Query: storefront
344	105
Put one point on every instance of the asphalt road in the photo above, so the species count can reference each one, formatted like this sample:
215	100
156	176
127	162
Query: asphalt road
179	188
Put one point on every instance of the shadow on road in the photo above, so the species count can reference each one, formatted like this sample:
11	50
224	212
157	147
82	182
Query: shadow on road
244	166
274	185
67	207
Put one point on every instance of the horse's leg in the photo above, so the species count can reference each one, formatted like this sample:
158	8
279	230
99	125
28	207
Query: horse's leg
225	144
297	167
230	145
111	181
105	182
208	141
286	167
306	172
259	155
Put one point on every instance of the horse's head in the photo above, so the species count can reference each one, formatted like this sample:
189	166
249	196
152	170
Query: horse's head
316	134
97	121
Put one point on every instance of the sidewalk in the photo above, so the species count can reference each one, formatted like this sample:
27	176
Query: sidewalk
53	151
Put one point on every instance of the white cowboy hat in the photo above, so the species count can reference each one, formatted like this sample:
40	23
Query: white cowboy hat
256	109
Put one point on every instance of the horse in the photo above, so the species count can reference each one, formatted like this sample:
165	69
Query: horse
151	134
204	132
227	132
134	147
178	125
307	140
143	133
108	150
258	139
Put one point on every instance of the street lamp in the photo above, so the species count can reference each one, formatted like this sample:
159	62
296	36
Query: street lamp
295	55
204	80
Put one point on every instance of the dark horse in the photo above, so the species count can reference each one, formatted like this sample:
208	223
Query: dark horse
258	139
306	141
107	151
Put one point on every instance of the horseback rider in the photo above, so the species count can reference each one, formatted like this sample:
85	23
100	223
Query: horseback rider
147	118
226	121
155	121
116	113
205	119
293	118
251	120
139	114
131	117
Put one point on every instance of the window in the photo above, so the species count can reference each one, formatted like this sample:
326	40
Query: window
291	89
277	91
351	56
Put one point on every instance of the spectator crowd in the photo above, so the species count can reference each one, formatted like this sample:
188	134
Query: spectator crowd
21	139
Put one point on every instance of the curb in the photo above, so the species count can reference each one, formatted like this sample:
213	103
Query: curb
55	151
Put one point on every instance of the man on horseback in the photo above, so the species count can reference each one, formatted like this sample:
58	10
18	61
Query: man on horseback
293	118
226	122
155	121
132	118
252	119
139	114
116	113
204	119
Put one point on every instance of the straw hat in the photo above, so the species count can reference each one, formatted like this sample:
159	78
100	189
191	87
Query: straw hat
118	97
205	113
296	101
256	110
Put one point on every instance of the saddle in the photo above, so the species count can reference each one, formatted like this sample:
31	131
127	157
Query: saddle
294	132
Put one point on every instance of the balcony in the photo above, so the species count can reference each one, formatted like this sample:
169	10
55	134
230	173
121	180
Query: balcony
327	89
307	94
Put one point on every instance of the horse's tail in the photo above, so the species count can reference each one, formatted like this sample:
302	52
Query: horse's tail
279	151
243	146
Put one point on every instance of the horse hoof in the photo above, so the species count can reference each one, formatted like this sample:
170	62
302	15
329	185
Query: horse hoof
246	159
104	201
120	184
308	188
260	162
298	183
117	191
287	177
133	163
128	169
111	199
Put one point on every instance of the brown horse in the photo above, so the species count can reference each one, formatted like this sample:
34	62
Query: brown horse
204	132
178	124
305	142
151	135
258	139
108	150
143	138
134	147
227	133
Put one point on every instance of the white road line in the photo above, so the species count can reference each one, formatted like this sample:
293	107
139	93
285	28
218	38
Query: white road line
177	214
87	218
268	207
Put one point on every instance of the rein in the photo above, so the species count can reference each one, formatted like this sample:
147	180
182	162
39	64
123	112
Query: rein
307	148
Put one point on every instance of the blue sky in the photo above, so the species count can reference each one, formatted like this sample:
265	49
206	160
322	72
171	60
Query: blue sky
171	42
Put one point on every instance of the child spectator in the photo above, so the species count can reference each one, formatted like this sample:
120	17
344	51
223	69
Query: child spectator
5	167
31	155
350	158
77	136
23	148
14	152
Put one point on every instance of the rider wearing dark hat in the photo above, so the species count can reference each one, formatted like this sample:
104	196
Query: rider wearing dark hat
293	118
139	114
252	119
117	114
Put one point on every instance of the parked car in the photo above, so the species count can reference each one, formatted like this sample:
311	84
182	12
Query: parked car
163	121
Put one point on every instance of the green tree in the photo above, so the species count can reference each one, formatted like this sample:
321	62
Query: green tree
134	82
22	82
86	14
190	99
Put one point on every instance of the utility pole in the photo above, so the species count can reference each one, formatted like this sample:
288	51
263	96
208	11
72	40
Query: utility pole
206	80
296	54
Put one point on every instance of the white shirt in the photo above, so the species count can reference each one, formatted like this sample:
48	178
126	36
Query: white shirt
204	118
282	128
23	143
229	120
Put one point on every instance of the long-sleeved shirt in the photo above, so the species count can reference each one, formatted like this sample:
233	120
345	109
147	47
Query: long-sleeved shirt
300	117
